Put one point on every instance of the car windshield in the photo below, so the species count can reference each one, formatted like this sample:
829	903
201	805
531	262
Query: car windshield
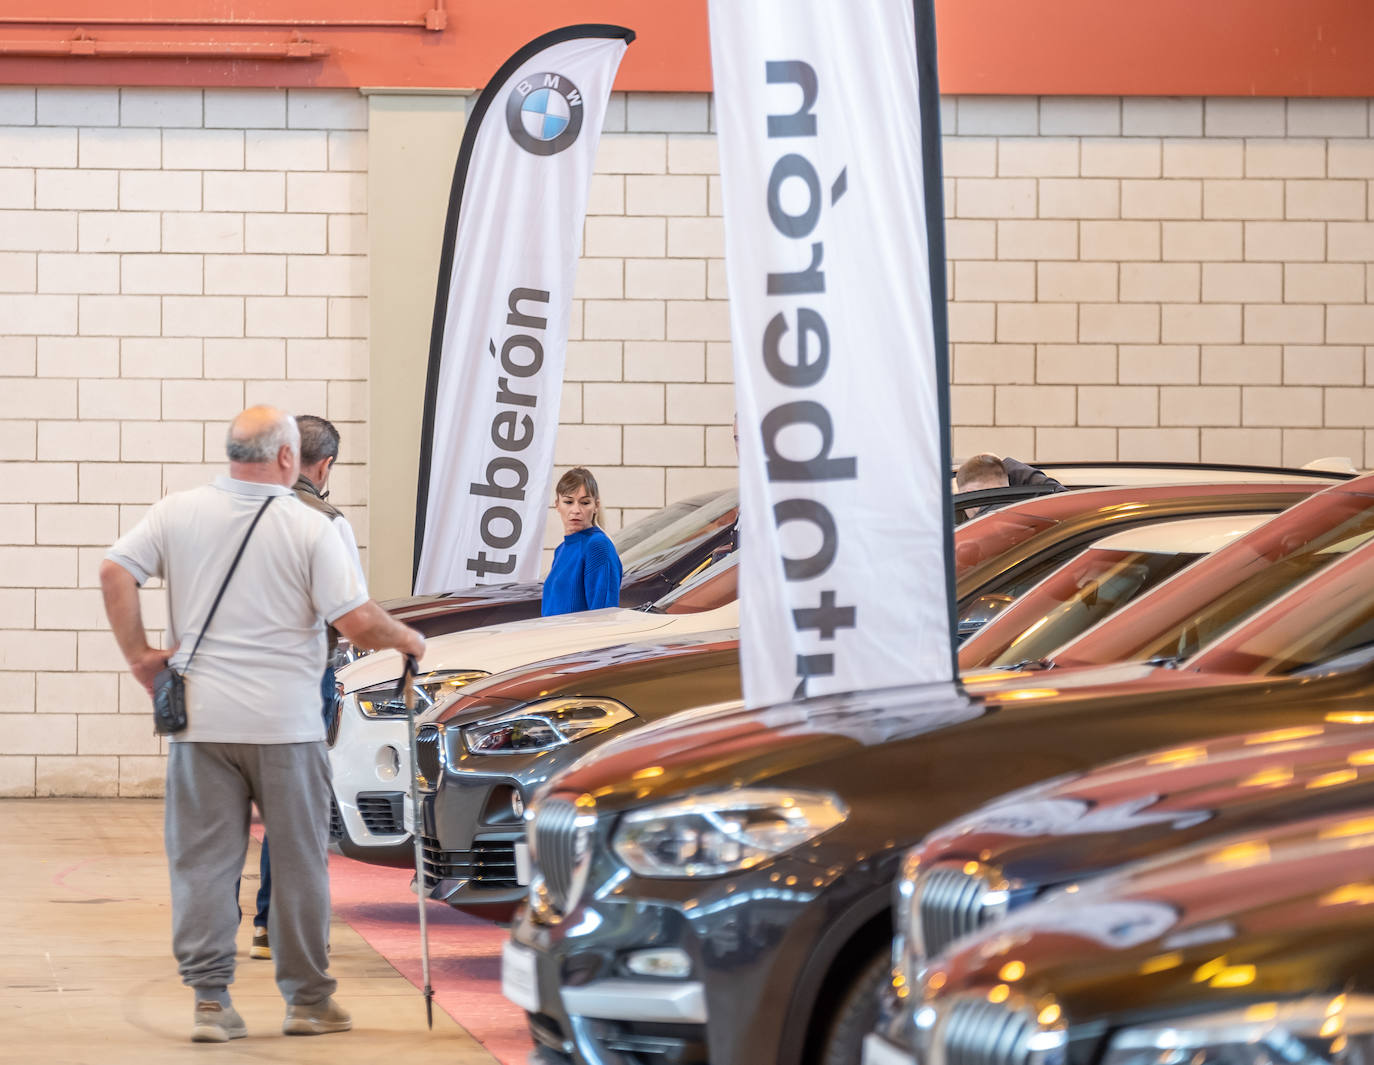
1321	626
636	532
1228	586
658	545
715	587
990	535
1069	601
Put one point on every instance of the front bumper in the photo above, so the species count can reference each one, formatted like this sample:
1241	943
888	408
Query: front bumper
475	855
748	939
476	858
370	765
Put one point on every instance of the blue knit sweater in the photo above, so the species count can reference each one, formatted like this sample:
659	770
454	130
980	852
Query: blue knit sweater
585	574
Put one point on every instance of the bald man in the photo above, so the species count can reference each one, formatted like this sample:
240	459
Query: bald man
254	732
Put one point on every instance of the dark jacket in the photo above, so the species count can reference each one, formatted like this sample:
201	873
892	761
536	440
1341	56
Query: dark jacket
1018	473
308	494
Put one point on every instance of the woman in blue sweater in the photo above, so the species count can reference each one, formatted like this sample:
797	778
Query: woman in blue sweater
586	569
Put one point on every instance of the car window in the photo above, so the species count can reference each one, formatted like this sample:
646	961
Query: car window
990	535
649	525
978	610
1312	628
654	551
1068	602
969	505
714	587
1299	644
1232	584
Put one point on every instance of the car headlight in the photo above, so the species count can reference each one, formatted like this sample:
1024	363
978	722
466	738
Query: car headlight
1312	1030
382	700
544	726
714	834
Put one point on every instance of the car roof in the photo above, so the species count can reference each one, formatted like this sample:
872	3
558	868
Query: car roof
1063	505
1195	536
1085	473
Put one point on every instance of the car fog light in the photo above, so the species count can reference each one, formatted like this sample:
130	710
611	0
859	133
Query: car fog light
388	763
517	803
669	962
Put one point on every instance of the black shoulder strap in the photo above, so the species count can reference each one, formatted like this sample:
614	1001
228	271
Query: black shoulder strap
232	566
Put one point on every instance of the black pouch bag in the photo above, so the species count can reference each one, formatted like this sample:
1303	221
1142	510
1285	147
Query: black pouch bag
169	686
169	702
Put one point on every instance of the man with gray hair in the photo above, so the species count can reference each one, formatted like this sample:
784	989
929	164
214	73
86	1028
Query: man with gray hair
319	452
254	732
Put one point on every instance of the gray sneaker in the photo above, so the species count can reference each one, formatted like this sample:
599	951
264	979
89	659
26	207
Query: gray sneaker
319	1018
214	1023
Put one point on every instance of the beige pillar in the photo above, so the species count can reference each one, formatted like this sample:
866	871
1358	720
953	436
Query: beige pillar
413	143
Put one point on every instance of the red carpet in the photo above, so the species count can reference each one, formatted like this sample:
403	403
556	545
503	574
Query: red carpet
464	953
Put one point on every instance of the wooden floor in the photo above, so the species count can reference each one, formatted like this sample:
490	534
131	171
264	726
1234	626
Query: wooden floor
86	971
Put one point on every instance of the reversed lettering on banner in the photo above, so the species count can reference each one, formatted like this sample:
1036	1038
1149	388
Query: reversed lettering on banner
844	463
806	369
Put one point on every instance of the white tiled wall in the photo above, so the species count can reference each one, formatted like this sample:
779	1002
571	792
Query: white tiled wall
166	257
1171	279
1130	278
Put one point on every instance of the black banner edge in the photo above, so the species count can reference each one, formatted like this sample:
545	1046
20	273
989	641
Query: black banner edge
932	171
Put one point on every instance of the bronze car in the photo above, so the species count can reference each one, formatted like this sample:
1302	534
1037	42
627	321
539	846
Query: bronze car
723	889
1253	948
1188	607
472	840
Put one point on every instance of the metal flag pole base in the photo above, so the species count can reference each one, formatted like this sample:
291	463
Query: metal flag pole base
408	674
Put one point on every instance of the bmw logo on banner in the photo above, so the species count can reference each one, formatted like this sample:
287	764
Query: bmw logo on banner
503	306
544	113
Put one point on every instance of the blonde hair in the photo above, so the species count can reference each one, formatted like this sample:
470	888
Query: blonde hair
575	478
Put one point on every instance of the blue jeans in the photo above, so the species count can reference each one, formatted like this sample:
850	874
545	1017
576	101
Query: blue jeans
328	709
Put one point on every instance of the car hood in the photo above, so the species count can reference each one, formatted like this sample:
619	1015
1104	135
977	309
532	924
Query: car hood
1244	916
1000	687
1081	823
733	749
739	747
653	677
496	648
407	608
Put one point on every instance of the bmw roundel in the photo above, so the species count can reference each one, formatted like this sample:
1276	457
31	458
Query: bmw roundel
544	113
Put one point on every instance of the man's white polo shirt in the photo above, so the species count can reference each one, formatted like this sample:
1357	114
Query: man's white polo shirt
256	677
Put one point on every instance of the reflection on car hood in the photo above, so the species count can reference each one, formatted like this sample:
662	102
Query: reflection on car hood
408	608
654	678
745	745
1002	686
754	745
495	648
1279	912
1075	825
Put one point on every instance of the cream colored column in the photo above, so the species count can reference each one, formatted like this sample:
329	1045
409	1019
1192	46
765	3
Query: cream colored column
413	143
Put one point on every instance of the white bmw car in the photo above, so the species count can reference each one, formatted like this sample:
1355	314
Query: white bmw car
370	757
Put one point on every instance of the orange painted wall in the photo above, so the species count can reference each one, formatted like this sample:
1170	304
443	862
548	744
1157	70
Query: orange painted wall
1113	47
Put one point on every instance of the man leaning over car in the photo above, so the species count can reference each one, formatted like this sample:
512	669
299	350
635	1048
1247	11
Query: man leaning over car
254	731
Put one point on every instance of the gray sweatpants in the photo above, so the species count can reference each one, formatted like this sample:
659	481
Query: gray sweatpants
209	789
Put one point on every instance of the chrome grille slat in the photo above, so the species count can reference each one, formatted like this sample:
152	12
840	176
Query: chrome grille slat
554	840
427	759
978	1032
950	905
